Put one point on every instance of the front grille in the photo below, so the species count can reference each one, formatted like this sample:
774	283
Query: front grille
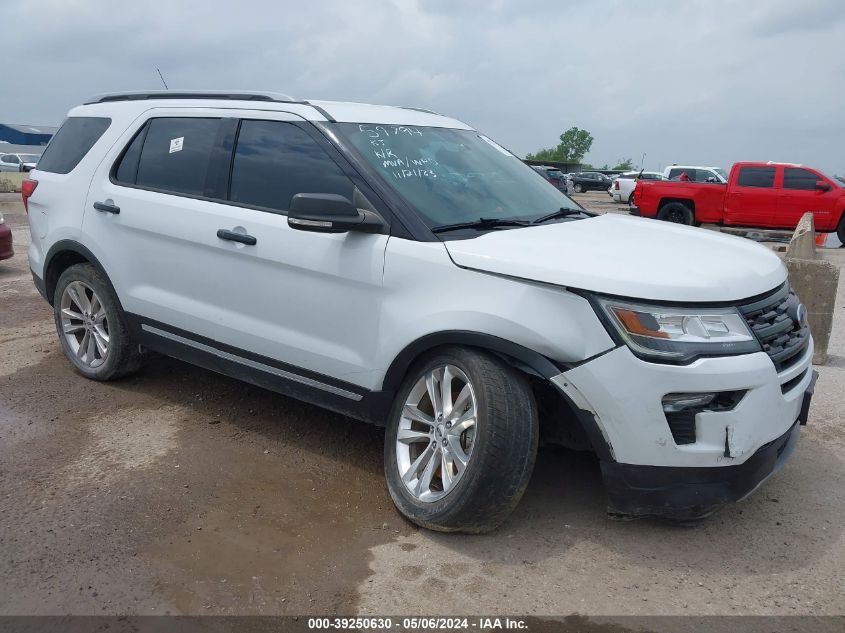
774	321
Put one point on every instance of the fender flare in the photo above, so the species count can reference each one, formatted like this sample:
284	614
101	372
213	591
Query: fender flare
517	355
63	246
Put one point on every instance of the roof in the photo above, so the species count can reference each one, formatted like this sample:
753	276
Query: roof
30	129
339	111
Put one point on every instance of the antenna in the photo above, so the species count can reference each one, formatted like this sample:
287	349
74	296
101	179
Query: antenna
162	78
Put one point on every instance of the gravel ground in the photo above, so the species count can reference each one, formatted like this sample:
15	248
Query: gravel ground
181	491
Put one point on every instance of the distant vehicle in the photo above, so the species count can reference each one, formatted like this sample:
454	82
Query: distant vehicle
6	250
555	176
622	187
589	181
18	162
765	195
695	173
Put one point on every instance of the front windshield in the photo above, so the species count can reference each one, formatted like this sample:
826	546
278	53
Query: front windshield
454	176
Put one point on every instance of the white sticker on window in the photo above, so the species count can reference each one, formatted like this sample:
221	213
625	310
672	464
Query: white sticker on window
176	144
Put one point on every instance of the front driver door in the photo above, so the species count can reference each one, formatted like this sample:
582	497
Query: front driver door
799	195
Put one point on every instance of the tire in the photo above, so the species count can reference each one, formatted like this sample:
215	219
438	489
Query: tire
631	200
677	213
500	451
840	230
579	188
85	307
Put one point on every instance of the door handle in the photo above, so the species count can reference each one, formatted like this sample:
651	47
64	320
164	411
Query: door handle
107	207
243	238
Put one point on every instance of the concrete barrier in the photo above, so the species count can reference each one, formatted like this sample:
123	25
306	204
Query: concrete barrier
814	281
10	181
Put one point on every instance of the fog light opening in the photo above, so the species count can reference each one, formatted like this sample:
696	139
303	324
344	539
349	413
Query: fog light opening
680	410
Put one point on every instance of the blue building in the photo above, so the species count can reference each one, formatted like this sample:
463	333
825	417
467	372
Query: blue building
26	134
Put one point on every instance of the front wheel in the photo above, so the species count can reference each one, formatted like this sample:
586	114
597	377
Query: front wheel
461	441
631	200
579	188
840	230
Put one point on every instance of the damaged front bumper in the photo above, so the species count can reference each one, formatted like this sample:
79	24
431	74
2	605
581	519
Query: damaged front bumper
647	470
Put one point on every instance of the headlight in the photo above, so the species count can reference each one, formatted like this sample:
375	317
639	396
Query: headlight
678	335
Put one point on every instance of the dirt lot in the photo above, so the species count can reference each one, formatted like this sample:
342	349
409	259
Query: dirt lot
181	491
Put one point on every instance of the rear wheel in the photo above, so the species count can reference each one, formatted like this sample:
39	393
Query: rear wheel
676	212
631	200
461	441
840	230
91	326
579	188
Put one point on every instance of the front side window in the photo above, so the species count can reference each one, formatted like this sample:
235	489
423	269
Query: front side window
763	177
794	178
71	143
11	158
275	160
453	176
175	156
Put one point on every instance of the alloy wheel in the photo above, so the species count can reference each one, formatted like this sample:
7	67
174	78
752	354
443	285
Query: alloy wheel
84	324
437	432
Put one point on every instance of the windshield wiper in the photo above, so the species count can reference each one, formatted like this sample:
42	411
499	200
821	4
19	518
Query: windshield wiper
480	224
563	212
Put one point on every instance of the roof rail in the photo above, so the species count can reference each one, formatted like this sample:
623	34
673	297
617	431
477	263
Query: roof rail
420	110
245	95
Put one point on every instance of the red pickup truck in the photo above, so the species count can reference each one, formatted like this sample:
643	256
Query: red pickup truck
762	195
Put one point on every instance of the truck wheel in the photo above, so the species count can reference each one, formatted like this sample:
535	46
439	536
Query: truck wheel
91	325
676	212
631	200
840	230
461	441
579	188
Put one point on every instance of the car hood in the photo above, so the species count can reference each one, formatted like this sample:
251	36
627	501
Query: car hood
629	257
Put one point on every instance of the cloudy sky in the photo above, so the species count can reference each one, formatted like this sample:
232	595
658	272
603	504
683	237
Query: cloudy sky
695	81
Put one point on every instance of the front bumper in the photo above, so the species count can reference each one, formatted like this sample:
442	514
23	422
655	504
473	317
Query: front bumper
6	248
691	493
618	398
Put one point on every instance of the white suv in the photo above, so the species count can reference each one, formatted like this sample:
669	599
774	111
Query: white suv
399	267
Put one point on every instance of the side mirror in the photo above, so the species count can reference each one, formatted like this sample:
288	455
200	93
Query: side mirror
330	213
821	185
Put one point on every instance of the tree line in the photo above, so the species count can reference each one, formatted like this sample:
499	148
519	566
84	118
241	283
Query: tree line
574	145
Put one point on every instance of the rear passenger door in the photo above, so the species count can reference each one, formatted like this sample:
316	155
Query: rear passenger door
309	300
752	199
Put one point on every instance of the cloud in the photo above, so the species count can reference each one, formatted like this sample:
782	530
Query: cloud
709	81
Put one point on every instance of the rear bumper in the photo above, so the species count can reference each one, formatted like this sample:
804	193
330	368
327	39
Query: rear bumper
692	493
6	248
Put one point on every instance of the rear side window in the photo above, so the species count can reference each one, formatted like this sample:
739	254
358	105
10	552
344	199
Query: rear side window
71	143
794	178
756	177
274	161
174	155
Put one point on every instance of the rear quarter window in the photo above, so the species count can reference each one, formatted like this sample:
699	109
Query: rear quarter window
71	143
